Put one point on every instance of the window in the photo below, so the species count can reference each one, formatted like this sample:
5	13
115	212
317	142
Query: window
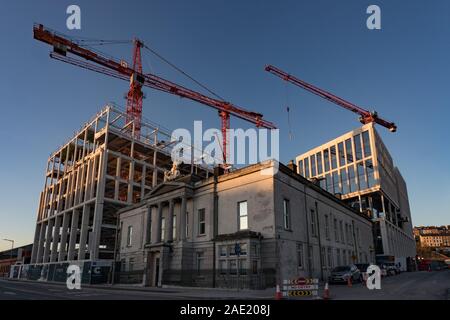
328	182
336	183
352	177
336	231
341	154
313	165
223	266
324	258
163	229
329	258
200	259
233	266
123	264
129	235
223	251
333	157
349	150
327	227
243	215
174	227
326	160
313	222
370	175
345	188
243	249
307	175
201	221
358	147
243	266
362	176
286	215
319	162
254	250
254	266
231	250
338	257
344	257
300	255
366	141
131	264
310	257
341	229
300	168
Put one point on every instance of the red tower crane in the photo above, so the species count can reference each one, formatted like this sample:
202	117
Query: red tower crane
365	115
100	63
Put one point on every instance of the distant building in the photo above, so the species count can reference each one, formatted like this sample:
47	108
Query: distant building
252	227
20	255
433	237
358	168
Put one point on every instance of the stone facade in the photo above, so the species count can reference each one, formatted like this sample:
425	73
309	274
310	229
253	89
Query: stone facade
250	228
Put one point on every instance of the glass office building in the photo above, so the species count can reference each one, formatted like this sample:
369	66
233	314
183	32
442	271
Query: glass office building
358	168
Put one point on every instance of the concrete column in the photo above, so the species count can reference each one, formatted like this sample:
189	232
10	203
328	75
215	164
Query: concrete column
182	219
62	247
73	235
34	251
169	222
48	239
54	254
98	209
155	170
84	232
40	248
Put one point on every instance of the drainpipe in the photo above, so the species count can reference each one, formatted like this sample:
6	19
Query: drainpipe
307	236
215	224
320	245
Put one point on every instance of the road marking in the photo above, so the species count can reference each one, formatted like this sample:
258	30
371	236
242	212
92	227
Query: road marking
9	293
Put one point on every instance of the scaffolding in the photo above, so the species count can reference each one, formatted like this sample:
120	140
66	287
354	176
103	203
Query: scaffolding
103	168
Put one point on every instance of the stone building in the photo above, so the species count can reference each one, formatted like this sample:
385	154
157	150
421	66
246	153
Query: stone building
252	228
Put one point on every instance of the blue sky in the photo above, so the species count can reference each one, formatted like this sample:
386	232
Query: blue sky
401	71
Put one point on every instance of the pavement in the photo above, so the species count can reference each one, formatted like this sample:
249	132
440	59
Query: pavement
406	286
421	285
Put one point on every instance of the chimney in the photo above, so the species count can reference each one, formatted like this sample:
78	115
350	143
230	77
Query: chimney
291	165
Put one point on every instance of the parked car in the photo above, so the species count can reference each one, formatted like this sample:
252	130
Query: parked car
384	271
343	273
362	267
392	269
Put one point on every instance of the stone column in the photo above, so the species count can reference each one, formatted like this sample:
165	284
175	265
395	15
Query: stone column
169	223
157	231
148	227
182	226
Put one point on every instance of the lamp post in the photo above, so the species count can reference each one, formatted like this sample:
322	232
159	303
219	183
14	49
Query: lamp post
11	252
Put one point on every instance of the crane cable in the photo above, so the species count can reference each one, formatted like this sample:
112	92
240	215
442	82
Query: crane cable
291	136
182	72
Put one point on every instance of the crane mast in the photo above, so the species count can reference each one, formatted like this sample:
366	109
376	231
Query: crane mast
118	69
365	115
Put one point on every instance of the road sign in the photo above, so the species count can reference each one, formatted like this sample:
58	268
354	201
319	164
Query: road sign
300	293
301	281
301	287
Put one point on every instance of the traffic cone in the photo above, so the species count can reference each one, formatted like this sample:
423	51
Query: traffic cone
278	293
326	292
349	282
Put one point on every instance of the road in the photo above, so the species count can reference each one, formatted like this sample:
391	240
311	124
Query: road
406	286
420	285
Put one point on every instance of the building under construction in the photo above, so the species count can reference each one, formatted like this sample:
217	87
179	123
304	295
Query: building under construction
103	168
